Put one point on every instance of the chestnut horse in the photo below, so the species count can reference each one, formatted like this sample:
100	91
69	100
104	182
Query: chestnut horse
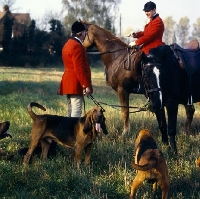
120	61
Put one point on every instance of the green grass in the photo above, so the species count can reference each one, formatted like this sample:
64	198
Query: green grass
109	174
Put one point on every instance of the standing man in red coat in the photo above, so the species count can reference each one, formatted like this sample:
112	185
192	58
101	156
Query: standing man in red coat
76	80
152	35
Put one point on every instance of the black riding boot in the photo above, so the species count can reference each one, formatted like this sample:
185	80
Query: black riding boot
172	142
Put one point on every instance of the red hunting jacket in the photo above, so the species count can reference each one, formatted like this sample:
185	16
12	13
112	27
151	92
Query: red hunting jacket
151	37
77	74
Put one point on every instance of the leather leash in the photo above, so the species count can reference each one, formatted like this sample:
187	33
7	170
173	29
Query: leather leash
98	103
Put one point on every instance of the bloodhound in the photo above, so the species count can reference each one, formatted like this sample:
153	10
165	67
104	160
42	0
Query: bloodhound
198	162
77	133
4	126
150	165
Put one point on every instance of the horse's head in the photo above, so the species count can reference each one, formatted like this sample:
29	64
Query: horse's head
151	77
89	38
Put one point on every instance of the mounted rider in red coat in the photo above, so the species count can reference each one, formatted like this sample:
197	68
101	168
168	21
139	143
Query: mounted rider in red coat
152	35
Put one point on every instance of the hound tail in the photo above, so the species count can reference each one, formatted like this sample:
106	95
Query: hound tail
31	113
144	167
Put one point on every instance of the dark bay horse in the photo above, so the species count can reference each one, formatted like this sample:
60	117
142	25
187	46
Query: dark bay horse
168	85
120	61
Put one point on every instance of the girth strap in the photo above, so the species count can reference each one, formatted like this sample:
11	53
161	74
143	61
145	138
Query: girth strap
154	90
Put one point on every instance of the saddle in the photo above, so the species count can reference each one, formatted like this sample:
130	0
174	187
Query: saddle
187	57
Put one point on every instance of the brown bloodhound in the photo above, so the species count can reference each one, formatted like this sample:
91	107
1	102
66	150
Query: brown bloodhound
150	165
198	162
77	133
4	126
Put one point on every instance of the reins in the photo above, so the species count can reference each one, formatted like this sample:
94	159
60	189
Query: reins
98	103
101	53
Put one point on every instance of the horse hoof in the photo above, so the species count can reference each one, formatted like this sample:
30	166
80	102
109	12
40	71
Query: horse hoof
173	144
165	140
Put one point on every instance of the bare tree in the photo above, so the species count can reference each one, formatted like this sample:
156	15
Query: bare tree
43	23
94	11
183	30
10	4
169	30
196	30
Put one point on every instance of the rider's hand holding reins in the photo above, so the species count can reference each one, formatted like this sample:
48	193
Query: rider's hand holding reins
132	44
132	34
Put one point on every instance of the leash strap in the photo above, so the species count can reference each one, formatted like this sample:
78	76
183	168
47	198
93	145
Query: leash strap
144	108
96	102
84	105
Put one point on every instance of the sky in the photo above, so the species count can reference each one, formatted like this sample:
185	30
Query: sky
130	11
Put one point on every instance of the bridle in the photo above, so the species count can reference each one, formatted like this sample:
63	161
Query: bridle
86	28
151	90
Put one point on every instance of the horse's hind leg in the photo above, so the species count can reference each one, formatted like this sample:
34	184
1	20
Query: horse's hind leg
189	109
160	115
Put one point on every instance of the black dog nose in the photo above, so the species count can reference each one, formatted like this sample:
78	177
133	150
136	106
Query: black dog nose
99	114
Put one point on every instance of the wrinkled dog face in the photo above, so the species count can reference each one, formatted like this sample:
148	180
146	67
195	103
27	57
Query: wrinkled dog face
3	130
99	120
95	119
97	115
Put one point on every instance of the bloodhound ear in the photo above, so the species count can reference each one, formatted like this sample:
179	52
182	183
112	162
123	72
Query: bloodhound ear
87	125
103	126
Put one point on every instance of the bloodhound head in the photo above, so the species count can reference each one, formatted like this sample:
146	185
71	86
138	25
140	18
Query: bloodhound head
95	121
4	126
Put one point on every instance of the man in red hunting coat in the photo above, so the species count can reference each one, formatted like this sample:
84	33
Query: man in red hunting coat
152	35
76	80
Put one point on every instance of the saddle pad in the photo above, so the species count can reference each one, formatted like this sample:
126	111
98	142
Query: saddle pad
189	57
191	60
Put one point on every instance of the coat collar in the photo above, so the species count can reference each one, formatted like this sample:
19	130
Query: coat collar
76	39
156	15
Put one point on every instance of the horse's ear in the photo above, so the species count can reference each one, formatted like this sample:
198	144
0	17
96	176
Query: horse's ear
83	21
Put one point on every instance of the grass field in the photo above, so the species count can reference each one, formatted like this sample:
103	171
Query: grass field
109	176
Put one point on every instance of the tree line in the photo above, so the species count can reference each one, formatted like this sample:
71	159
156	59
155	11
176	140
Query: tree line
38	45
182	32
43	46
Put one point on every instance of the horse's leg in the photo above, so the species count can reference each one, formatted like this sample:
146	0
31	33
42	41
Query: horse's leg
124	101
172	111
189	109
160	115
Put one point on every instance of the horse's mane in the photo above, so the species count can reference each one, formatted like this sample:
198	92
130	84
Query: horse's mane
109	35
